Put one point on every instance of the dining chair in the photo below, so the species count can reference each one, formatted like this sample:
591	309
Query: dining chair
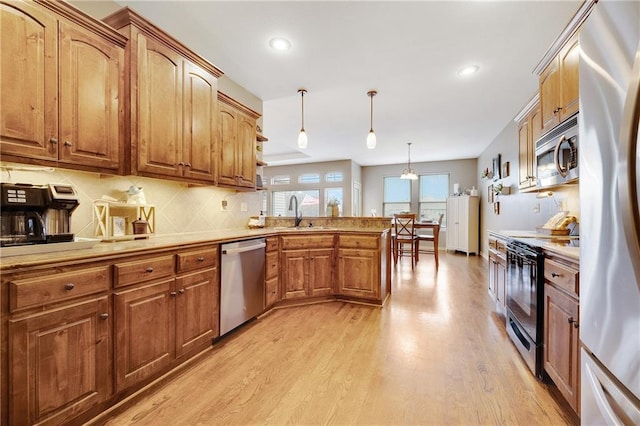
430	236
405	236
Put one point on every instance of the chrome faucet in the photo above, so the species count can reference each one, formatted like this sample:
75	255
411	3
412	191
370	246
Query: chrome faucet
291	200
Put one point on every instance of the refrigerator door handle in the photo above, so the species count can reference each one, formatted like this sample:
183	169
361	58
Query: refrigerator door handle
628	168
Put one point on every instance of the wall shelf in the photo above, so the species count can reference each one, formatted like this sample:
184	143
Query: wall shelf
108	229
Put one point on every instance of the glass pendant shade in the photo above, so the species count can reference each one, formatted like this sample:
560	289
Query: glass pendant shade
371	137
302	139
408	173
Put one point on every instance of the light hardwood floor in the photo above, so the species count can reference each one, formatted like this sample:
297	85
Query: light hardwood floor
434	354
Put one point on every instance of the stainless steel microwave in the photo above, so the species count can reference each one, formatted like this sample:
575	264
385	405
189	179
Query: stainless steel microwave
557	155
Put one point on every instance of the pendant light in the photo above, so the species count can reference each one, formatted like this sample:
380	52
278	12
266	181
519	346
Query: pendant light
408	173
302	137
371	137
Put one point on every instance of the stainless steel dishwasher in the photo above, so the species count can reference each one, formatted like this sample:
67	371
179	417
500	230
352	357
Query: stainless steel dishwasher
241	282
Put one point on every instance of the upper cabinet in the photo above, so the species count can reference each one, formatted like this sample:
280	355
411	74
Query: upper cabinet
172	107
61	87
236	144
529	130
559	86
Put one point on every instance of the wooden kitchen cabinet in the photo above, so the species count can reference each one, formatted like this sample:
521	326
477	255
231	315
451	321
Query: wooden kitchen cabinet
307	266
463	220
559	88
498	271
62	88
561	353
272	293
529	131
58	352
359	266
172	104
236	144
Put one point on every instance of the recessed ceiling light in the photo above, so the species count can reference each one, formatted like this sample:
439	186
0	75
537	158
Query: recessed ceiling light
279	43
468	70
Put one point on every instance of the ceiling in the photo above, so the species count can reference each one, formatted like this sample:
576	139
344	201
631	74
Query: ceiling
409	52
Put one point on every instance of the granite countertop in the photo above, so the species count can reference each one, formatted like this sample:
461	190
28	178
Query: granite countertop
563	245
104	249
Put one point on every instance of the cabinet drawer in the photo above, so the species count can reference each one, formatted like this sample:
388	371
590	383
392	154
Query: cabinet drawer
25	293
197	259
493	243
271	292
359	241
293	242
561	275
136	271
271	265
272	243
501	247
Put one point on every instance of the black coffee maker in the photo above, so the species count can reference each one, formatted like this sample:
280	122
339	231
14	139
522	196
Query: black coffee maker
36	214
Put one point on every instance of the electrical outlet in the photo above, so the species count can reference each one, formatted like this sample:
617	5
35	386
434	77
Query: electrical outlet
223	206
562	204
536	208
243	207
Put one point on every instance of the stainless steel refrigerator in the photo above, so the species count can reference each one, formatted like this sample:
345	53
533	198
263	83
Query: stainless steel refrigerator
610	223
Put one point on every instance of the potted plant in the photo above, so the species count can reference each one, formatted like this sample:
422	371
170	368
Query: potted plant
332	207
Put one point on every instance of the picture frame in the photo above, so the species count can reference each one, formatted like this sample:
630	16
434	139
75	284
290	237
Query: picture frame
119	226
496	208
505	169
490	194
496	168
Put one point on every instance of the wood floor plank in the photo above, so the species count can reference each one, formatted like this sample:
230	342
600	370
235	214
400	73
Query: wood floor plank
434	354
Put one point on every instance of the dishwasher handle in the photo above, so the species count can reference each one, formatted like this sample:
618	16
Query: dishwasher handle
244	249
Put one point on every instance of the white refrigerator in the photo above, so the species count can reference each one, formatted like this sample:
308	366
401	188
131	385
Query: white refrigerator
610	223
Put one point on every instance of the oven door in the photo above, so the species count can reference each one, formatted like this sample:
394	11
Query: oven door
524	292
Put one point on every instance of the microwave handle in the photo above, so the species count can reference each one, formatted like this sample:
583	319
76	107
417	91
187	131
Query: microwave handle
556	157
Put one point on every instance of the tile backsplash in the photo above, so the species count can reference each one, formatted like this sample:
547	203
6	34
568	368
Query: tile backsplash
180	208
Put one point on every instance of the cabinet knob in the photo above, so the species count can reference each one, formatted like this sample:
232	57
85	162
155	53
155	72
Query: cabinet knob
201	259
576	324
53	141
173	294
69	286
149	269
67	143
570	320
181	291
554	275
104	316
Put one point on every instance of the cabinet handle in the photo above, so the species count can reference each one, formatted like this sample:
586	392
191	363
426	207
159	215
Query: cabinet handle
570	320
173	294
67	143
181	163
181	291
188	164
554	275
69	286
104	316
149	269
53	141
576	324
201	259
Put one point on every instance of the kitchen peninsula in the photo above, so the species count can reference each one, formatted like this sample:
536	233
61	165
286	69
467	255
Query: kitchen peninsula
131	312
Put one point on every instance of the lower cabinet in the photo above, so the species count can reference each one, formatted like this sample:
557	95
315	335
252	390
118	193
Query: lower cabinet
272	293
562	330
59	362
498	272
307	265
359	266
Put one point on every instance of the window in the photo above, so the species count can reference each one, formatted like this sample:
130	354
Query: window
396	195
281	180
434	189
333	177
308	202
333	195
309	178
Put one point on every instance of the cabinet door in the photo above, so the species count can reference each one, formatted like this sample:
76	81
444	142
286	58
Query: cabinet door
28	82
463	224
549	92
145	330
452	223
524	156
200	116
246	155
60	362
358	273
90	87
493	277
501	283
569	94
159	109
561	343
196	311
321	272
294	273
227	145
